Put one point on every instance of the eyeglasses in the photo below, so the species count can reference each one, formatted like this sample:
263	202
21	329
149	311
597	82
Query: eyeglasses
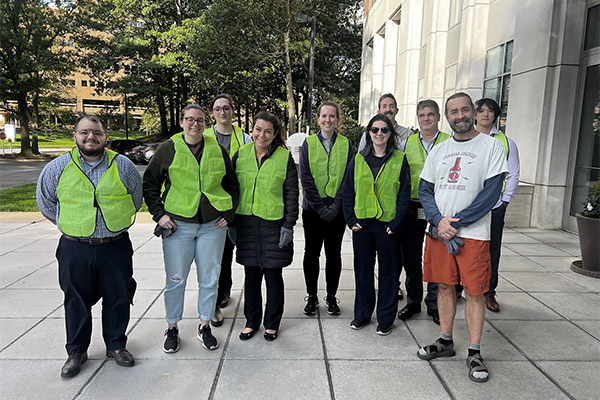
85	133
383	130
190	120
225	109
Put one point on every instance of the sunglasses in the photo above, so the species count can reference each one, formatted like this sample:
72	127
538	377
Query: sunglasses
383	130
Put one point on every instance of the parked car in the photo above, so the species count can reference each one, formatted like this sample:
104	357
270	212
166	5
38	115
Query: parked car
131	153
122	145
144	154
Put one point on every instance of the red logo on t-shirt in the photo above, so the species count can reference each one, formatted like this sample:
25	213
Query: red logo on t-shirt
454	171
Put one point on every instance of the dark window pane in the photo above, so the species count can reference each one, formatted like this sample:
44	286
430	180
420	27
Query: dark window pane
587	165
592	30
491	89
508	57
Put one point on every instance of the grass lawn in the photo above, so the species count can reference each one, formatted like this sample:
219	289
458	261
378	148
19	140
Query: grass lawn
64	138
22	198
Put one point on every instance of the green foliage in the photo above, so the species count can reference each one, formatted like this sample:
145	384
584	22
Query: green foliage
591	208
34	39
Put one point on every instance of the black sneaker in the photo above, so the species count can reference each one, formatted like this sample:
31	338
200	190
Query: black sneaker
357	324
172	341
209	342
331	302
312	302
383	329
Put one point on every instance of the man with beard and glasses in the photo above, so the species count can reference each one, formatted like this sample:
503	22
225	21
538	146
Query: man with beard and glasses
92	195
387	106
460	183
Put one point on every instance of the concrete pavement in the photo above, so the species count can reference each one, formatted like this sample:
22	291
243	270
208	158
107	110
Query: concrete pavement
543	344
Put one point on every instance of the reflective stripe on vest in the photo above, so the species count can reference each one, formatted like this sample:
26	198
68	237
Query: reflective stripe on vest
377	198
237	138
185	174
79	200
328	180
261	190
502	138
416	155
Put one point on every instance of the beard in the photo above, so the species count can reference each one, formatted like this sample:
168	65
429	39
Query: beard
469	123
90	152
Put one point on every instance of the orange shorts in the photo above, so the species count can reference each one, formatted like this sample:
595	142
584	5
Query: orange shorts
472	264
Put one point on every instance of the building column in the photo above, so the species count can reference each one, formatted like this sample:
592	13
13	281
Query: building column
544	82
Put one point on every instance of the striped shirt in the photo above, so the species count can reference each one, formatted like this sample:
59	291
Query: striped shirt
47	199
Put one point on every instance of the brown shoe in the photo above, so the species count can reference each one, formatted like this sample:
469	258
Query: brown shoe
491	303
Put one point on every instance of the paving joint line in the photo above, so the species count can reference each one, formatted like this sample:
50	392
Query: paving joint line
213	388
325	356
432	365
532	362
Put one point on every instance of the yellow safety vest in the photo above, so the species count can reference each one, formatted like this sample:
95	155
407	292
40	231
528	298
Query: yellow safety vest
377	197
79	200
328	169
189	181
261	190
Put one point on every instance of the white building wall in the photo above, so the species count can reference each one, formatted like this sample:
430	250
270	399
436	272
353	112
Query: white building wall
542	117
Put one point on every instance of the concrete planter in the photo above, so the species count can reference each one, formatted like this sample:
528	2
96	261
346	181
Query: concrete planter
589	242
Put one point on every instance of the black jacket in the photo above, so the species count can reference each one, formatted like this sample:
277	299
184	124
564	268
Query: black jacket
257	238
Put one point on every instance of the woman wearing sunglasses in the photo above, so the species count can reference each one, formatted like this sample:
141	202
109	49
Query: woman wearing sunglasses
323	161
232	138
191	189
265	221
376	198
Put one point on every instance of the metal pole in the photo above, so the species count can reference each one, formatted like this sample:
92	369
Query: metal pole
126	118
310	74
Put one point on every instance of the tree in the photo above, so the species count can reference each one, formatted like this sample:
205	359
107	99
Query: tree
140	49
33	52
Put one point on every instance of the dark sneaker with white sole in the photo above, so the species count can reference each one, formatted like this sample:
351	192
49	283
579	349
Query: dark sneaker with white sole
209	342
331	302
172	341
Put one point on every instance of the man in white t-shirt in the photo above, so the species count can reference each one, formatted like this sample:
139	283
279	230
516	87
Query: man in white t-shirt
460	183
387	106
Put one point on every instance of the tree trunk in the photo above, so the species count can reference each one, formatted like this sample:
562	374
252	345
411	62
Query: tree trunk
24	119
164	128
35	123
289	87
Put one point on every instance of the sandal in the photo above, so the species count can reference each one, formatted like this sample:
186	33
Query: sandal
475	364
437	350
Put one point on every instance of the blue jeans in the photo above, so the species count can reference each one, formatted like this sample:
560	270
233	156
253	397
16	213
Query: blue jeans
204	244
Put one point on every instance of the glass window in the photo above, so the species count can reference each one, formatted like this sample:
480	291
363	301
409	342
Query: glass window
493	61
592	30
498	65
450	78
587	168
455	12
92	84
83	83
508	57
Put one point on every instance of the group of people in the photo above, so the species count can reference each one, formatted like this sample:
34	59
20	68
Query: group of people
215	189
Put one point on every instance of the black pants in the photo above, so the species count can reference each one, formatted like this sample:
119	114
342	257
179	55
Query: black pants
497	227
225	281
370	241
411	238
253	297
87	273
316	233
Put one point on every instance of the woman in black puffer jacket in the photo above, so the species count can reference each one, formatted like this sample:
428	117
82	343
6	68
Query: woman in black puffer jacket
265	219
